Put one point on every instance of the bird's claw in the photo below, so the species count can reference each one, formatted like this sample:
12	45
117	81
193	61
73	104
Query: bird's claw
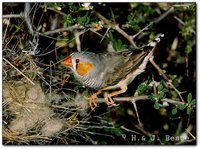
110	101
93	103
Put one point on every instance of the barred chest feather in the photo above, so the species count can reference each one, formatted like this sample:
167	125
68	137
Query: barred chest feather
91	83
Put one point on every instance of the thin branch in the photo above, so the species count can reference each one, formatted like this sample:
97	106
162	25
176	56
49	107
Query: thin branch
105	34
175	102
183	23
102	18
183	5
128	37
164	15
145	28
12	16
77	39
139	98
116	27
6	29
157	20
179	20
169	82
57	11
70	28
27	18
18	71
112	15
142	130
136	111
50	78
129	130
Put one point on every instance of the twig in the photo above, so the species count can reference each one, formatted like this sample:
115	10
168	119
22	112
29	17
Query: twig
18	71
157	20
145	28
27	9
183	5
183	23
70	28
128	37
143	131
112	15
179	20
57	11
116	27
50	78
165	14
169	82
175	102
77	39
12	16
5	32
105	34
129	130
136	111
138	98
188	130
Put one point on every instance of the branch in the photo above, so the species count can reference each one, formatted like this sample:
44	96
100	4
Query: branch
157	20
77	39
27	18
169	82
57	11
70	28
165	14
145	28
138	98
12	16
116	27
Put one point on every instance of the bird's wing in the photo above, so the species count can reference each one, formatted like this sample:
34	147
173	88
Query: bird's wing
120	64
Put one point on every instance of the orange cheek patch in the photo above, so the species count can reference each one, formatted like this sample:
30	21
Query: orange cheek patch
84	68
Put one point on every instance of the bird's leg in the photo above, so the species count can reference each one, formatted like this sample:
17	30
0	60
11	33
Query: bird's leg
93	98
109	96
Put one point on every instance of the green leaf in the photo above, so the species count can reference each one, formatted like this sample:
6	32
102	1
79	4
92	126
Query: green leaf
160	87
161	95
156	105
152	97
182	106
83	20
189	98
193	102
165	90
111	35
189	110
141	89
188	50
174	111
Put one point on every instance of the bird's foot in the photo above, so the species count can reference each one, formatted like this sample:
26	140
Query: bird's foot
110	101
93	103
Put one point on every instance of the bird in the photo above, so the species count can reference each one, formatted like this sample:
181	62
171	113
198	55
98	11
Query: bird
109	71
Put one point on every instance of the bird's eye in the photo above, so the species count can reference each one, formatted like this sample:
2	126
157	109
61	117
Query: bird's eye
77	61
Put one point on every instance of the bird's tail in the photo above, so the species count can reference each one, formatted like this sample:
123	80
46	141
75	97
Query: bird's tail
153	44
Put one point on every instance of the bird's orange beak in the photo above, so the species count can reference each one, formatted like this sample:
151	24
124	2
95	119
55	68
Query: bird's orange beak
67	62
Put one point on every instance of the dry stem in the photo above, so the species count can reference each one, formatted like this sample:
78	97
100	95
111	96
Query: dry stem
18	71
